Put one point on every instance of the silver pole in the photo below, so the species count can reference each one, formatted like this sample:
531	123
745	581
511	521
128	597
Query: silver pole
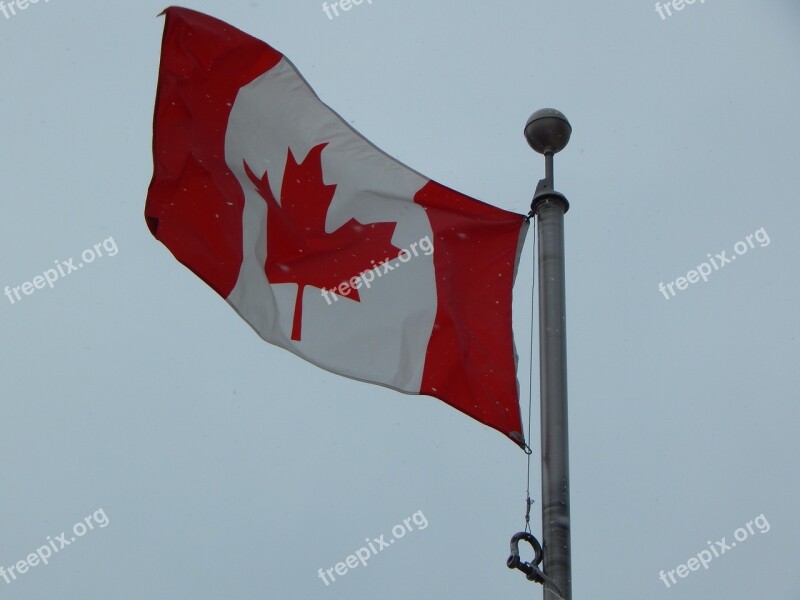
553	390
548	132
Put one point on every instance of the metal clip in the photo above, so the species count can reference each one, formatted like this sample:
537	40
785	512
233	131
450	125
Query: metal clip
531	569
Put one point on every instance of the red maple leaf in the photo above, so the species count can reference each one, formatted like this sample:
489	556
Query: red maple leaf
298	248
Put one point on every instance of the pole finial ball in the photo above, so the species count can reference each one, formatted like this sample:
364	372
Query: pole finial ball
547	130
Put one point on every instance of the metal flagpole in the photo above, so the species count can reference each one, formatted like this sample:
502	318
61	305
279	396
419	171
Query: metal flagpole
548	131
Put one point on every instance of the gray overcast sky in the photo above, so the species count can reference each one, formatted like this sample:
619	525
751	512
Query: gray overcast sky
228	468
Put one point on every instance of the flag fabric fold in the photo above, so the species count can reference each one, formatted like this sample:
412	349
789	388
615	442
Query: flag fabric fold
324	244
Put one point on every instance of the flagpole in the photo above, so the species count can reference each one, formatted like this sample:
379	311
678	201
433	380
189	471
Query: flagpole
548	131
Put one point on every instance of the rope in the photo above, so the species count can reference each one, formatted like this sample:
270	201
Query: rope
528	450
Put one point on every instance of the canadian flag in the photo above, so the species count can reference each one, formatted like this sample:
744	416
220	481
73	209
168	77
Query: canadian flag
325	245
